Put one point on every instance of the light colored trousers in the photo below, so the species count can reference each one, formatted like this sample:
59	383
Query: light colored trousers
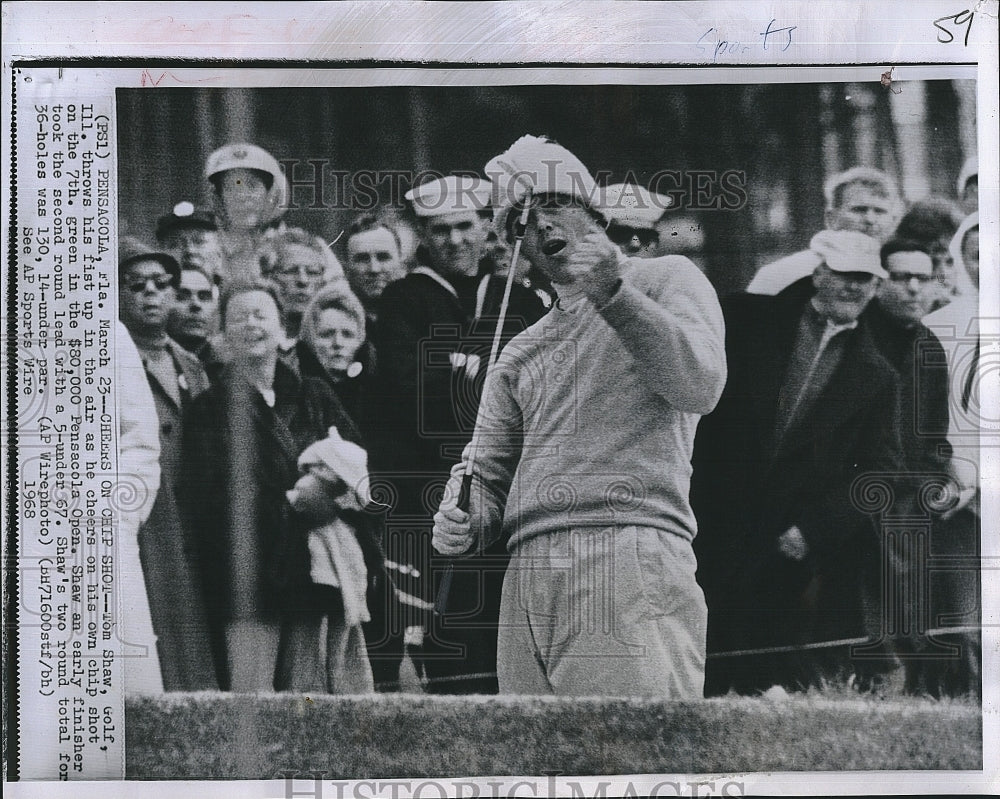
603	612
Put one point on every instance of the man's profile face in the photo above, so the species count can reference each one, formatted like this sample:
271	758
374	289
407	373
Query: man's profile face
373	262
864	209
842	296
455	242
908	293
554	228
196	307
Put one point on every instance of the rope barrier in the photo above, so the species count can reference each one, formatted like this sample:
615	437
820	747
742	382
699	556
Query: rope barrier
771	650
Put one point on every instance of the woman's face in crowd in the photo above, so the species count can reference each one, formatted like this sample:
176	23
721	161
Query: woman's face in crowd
243	195
337	339
253	326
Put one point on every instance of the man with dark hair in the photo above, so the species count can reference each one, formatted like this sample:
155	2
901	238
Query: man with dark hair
147	286
194	318
809	409
917	355
861	199
931	223
374	260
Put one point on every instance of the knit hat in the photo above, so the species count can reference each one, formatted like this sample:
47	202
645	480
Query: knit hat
345	460
848	251
633	206
536	166
449	195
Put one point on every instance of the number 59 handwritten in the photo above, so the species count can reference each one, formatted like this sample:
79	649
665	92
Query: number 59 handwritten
959	19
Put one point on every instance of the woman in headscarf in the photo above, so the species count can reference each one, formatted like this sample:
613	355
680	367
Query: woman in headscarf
956	592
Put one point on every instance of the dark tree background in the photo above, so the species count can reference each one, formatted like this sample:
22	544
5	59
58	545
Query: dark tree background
786	138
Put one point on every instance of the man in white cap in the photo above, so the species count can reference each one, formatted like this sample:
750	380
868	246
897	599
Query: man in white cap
583	457
810	408
633	213
861	199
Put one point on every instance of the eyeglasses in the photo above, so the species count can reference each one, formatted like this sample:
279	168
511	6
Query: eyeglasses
294	270
203	295
160	283
621	234
906	277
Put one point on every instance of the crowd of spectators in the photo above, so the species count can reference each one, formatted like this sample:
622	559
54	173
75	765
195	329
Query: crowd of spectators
310	406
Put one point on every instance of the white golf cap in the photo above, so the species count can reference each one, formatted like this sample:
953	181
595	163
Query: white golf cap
449	195
537	166
848	251
633	206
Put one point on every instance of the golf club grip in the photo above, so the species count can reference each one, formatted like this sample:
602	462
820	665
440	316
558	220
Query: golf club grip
465	493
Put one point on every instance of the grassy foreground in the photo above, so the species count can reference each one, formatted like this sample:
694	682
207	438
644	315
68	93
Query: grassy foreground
220	736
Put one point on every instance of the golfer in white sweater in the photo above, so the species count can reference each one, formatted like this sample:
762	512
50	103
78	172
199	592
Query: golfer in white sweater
583	454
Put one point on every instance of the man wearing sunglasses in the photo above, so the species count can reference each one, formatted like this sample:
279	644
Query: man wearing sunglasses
632	213
147	286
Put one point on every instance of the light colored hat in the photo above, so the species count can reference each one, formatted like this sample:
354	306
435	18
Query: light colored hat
537	166
633	206
449	195
970	169
347	461
240	155
848	251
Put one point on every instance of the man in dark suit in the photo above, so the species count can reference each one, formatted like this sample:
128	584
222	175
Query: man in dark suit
147	291
937	527
808	409
432	344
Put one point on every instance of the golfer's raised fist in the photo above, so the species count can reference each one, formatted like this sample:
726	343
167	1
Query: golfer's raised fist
595	264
